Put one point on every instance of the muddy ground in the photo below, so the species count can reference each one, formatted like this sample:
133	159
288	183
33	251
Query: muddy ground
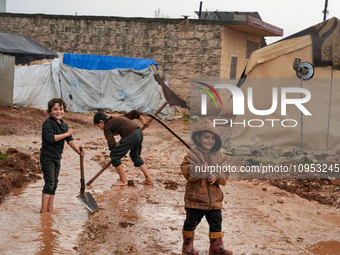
260	216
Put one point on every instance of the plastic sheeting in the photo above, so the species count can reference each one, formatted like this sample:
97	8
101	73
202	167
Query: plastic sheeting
121	90
83	90
97	62
35	85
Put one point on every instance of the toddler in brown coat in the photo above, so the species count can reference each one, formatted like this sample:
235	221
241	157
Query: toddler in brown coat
203	195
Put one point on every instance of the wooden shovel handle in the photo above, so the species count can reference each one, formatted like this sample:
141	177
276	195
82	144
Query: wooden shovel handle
99	173
82	180
81	163
156	113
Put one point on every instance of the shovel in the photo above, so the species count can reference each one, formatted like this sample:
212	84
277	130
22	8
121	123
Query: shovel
85	198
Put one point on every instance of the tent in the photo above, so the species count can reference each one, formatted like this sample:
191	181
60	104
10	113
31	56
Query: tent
24	49
272	66
35	85
92	82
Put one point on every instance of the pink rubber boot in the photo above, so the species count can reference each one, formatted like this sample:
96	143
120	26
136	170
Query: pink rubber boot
188	239
216	244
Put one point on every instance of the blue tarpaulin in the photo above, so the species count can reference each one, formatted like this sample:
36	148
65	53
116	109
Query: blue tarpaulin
98	62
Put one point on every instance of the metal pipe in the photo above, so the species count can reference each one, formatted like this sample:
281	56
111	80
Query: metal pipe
179	138
200	10
329	109
301	79
325	10
169	129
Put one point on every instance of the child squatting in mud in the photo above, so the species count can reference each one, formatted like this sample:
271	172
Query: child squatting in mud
203	195
131	139
54	134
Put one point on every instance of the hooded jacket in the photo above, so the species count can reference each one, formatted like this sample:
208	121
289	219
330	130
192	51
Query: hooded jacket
199	194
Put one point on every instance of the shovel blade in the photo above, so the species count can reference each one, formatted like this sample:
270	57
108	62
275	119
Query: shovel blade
88	201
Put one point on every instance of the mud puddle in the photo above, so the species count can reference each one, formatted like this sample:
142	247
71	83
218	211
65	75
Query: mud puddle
326	248
147	220
25	231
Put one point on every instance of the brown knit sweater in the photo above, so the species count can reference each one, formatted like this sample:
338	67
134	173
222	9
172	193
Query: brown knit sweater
122	125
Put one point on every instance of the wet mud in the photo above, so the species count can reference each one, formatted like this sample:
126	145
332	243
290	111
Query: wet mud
25	231
16	168
324	191
324	248
259	217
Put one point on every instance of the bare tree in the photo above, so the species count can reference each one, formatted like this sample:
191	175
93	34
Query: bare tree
158	14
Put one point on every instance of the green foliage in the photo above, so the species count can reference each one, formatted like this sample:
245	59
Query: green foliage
4	156
186	118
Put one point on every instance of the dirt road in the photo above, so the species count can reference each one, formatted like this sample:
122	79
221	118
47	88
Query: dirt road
257	219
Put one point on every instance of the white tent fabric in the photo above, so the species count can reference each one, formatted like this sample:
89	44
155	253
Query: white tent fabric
272	66
35	85
121	90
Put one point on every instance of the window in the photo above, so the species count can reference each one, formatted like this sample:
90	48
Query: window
251	46
233	67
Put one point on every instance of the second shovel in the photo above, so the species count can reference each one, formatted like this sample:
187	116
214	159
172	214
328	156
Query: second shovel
85	198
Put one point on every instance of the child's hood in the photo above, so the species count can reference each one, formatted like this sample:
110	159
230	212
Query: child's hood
207	125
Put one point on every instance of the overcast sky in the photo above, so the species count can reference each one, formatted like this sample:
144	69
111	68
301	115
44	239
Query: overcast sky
290	15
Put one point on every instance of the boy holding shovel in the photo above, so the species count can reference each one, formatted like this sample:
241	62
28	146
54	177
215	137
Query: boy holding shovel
131	139
54	134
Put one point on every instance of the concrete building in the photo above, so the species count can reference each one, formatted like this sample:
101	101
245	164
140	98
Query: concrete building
2	5
243	32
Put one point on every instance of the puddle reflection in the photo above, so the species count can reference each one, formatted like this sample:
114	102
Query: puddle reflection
326	248
25	231
48	238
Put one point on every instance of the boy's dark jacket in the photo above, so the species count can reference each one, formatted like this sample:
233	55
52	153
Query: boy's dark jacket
50	148
122	125
199	194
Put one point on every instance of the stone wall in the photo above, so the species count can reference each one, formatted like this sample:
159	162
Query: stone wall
183	49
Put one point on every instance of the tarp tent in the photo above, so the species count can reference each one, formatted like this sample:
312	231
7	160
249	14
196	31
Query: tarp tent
120	84
24	49
35	85
97	62
272	66
113	87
